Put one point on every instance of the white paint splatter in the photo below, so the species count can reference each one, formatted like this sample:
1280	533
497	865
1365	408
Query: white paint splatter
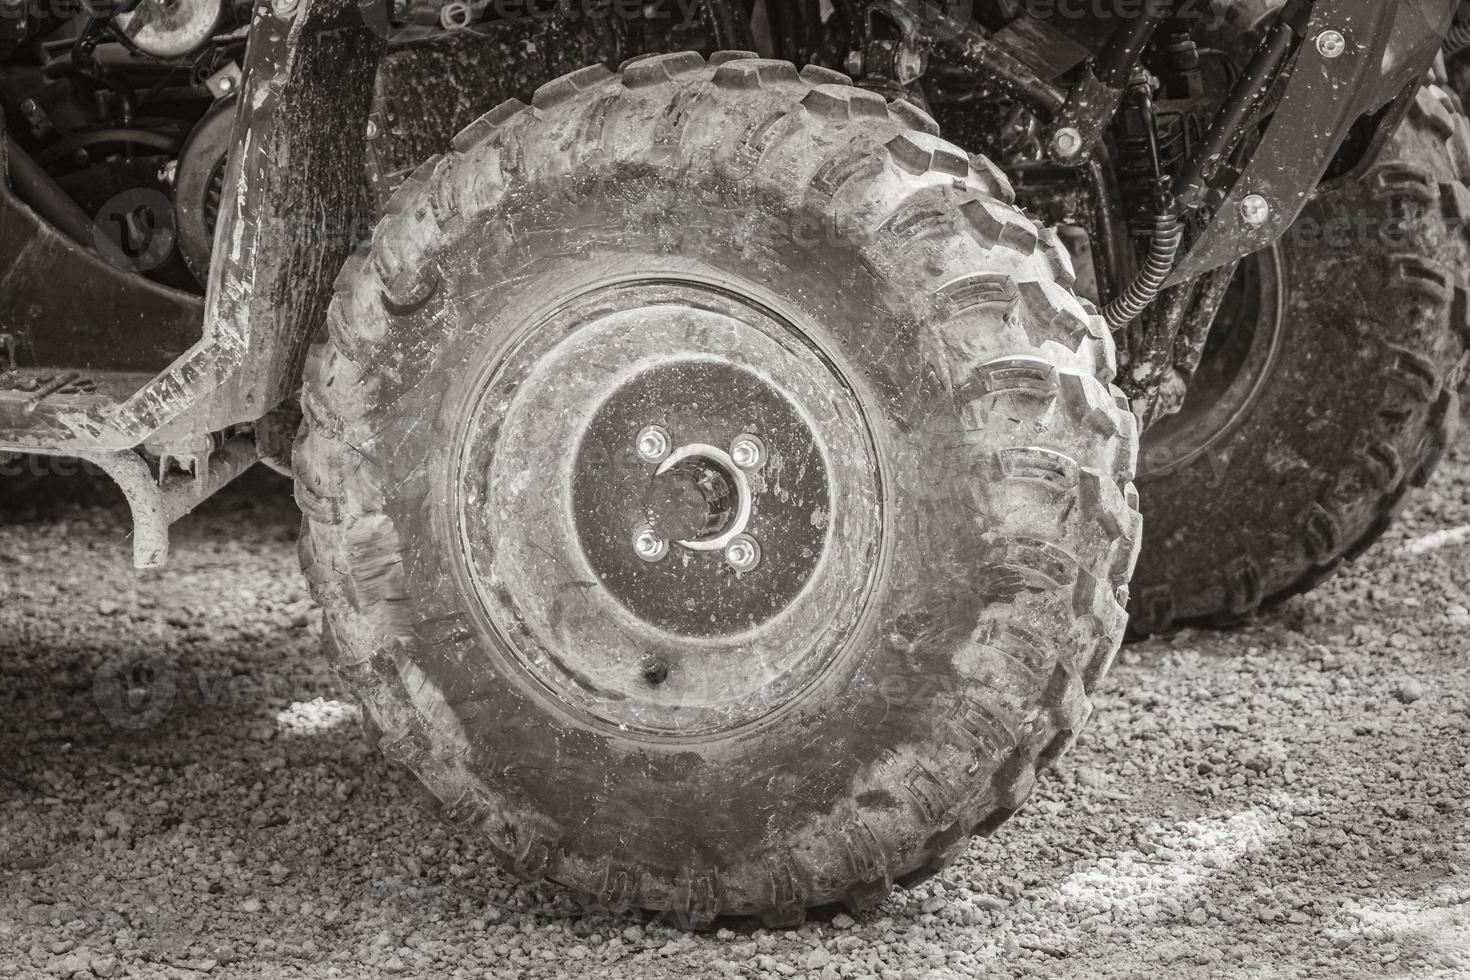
317	717
1439	539
1141	884
1438	923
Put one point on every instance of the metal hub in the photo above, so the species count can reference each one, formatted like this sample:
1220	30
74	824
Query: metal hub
699	498
670	507
704	507
1238	359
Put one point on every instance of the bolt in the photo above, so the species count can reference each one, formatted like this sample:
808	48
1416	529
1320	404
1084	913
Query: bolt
226	84
909	64
1255	210
284	8
1066	143
169	173
649	546
854	64
653	444
1331	44
748	452
743	553
372	129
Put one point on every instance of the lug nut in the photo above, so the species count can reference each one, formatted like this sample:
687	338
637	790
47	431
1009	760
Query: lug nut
748	452
649	546
1255	209
653	444
1331	44
743	553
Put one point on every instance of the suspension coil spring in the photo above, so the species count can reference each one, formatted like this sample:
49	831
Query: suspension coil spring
1163	251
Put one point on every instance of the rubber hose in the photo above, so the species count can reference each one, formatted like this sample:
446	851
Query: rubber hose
1163	251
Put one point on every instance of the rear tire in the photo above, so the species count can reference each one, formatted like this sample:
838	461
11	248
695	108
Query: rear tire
674	735
1357	393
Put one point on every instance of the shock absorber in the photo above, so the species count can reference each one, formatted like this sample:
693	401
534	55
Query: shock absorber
1241	105
1244	101
1167	228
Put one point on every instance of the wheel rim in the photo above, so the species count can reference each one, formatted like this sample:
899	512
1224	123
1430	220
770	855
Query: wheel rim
1239	356
668	508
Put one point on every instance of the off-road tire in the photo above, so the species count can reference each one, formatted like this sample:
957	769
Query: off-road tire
1356	409
997	605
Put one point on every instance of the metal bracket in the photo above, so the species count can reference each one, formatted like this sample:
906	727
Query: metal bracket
156	504
1386	46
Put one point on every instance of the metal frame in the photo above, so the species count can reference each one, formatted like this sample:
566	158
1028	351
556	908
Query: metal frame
1389	46
292	214
291	217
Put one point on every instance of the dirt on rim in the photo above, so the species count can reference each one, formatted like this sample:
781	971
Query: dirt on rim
1289	799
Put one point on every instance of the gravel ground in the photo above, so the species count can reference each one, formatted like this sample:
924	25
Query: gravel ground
1285	800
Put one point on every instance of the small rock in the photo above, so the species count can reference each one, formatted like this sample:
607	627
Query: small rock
816	959
1409	690
73	964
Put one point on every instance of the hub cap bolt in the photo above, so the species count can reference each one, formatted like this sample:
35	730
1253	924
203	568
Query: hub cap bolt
650	546
743	553
748	452
1331	44
653	444
1255	209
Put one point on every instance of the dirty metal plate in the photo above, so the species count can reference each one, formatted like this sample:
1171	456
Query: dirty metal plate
615	492
689	646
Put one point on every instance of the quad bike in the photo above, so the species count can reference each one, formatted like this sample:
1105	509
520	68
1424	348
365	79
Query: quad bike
714	477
